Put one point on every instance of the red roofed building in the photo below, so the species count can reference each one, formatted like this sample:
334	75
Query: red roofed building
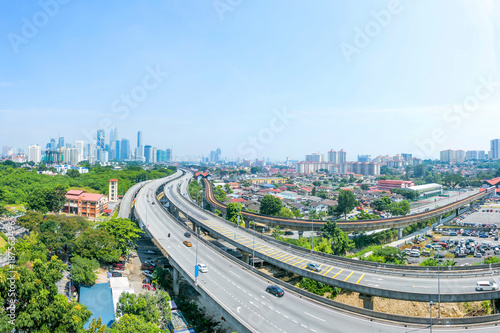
387	185
85	204
494	181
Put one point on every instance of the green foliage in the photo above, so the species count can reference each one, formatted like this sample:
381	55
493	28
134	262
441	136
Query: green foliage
233	212
194	315
124	231
389	255
255	170
346	202
151	307
340	243
319	288
196	190
219	193
286	213
133	324
382	204
436	262
365	187
83	270
270	205
491	260
452	180
98	244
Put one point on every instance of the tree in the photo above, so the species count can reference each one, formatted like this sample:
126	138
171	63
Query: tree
286	213
36	201
233	212
270	205
346	202
133	324
365	187
419	171
255	170
55	198
381	204
452	180
83	270
124	231
340	243
99	244
153	308
73	173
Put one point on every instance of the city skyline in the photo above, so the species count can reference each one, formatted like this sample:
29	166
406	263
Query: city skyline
318	80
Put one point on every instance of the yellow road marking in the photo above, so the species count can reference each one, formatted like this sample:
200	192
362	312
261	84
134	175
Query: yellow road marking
272	253
290	259
327	271
302	267
348	276
298	262
281	256
288	256
337	274
362	276
248	241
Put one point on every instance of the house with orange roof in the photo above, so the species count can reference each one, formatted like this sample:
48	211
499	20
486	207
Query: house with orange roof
85	204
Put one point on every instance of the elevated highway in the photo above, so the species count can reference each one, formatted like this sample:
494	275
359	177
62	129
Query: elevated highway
239	290
399	283
376	224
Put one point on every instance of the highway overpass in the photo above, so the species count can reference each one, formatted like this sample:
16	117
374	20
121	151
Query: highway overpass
239	289
366	225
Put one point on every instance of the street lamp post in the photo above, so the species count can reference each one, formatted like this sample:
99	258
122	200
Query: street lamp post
196	272
312	236
253	246
439	292
431	315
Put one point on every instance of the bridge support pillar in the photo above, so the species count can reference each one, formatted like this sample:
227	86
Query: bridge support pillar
367	301
457	211
300	233
195	228
400	233
247	224
176	281
246	257
495	304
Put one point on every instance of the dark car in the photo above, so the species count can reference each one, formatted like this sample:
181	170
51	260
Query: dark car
187	234
439	255
289	233
276	291
116	274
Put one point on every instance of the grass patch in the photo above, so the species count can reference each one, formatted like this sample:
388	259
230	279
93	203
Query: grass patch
86	189
365	250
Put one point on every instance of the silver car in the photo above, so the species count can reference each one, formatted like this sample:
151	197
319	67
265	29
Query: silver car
313	267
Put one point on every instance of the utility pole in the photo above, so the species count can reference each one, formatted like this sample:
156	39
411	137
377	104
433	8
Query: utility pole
196	268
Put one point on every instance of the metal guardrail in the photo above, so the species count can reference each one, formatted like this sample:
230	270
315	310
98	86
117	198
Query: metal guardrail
345	307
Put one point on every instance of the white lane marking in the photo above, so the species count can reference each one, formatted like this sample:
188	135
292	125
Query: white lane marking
238	309
314	316
234	274
254	304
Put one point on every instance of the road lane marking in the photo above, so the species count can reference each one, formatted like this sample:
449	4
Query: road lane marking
337	274
284	255
348	276
290	259
302	267
327	271
235	274
362	276
314	316
298	262
248	241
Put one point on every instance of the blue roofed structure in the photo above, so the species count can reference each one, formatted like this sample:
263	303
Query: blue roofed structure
99	300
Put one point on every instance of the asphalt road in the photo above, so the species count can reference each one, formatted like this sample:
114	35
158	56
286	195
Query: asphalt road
360	275
244	293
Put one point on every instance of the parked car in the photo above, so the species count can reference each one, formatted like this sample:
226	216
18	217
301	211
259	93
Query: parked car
147	267
147	273
289	233
276	291
148	286
116	274
314	267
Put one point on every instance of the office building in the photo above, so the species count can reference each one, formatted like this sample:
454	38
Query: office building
148	153
407	157
100	139
34	154
495	145
125	149
79	148
169	155
364	158
332	156
60	144
117	149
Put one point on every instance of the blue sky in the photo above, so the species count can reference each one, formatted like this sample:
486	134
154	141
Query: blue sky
225	68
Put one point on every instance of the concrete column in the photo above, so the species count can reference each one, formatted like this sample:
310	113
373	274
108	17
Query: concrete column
195	228
400	233
247	224
246	257
367	301
300	234
457	212
495	305
176	281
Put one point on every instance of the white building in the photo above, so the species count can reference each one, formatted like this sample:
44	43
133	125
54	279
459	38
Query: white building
34	154
79	148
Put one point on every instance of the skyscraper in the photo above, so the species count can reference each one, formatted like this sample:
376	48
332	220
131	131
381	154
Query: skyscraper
332	156
34	154
342	156
315	157
495	144
125	149
169	155
79	147
113	136
100	139
61	142
148	153
117	150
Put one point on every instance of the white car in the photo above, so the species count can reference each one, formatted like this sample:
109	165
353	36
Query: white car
486	285
147	273
203	268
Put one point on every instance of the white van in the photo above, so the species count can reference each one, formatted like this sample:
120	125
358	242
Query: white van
415	253
486	285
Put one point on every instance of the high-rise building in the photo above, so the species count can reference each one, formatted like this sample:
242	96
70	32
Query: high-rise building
7	151
153	155
148	153
117	150
100	139
113	136
364	158
447	156
139	139
342	156
332	156
459	156
125	149
60	144
495	145
79	148
407	157
315	157
218	154
34	154
169	155
481	155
